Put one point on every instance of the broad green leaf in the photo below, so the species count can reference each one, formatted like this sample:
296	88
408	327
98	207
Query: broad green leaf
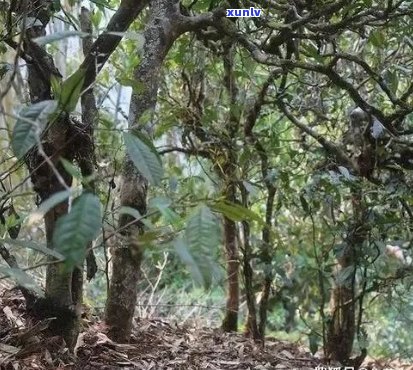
202	236
57	36
252	189
131	212
162	204
186	257
346	173
144	156
377	38
137	86
235	212
74	230
314	341
33	245
22	279
71	169
135	214
48	204
30	124
96	18
70	91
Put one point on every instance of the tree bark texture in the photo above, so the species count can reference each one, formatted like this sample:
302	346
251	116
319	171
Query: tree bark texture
228	174
251	327
342	325
160	33
267	260
64	138
59	301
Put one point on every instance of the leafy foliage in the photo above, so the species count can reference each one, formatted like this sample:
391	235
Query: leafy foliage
254	121
30	124
80	226
144	156
202	235
22	279
68	92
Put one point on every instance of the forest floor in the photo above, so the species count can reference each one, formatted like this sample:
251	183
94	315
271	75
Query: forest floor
155	344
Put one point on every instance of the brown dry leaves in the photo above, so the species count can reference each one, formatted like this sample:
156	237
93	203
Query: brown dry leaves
155	344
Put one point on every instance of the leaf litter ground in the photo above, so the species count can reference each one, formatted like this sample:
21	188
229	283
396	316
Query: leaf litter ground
155	344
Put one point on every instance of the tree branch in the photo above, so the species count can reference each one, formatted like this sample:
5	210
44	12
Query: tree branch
330	147
107	42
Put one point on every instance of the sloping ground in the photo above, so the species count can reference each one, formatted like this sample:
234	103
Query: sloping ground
155	345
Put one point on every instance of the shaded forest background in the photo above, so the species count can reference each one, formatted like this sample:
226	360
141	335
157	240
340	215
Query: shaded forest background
253	174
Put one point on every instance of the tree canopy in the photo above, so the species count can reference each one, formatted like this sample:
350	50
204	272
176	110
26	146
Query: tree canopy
160	144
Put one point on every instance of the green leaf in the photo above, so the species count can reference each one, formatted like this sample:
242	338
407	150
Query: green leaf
135	214
235	212
131	212
314	341
57	36
162	204
137	86
29	126
346	173
22	279
71	169
32	245
202	236
144	156
70	91
376	38
48	204
186	257
74	230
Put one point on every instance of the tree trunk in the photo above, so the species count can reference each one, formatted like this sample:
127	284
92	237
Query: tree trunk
63	286
251	326
342	327
266	259
59	301
228	174
230	322
127	255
